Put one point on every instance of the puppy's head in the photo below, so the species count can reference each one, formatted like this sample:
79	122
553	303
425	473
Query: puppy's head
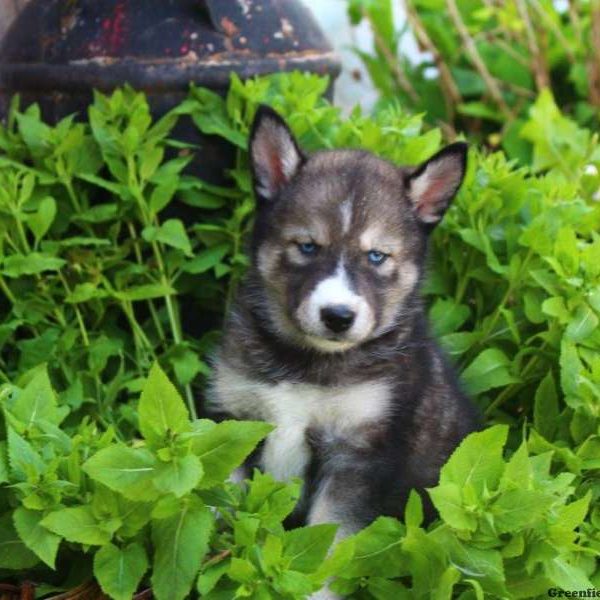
340	235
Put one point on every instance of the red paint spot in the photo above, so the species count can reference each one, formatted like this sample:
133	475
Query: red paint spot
113	36
117	34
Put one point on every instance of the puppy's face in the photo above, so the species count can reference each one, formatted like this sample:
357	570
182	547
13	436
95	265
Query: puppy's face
340	236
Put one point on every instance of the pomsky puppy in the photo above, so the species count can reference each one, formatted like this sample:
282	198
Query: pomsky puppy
327	338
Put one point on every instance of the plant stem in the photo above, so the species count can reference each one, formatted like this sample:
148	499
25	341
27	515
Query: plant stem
464	280
538	65
556	30
511	287
450	90
171	310
71	193
82	328
151	307
7	291
137	328
471	50
391	60
593	60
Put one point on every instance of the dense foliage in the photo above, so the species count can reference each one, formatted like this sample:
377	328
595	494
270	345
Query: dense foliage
96	480
482	63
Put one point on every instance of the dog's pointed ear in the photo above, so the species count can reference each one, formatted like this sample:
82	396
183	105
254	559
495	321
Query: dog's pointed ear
275	156
432	185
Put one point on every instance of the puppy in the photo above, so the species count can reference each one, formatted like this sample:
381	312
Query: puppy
327	338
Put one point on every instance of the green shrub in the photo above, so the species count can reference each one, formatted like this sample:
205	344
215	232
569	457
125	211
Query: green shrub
94	481
482	64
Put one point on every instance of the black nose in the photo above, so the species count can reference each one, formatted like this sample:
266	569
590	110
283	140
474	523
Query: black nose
337	317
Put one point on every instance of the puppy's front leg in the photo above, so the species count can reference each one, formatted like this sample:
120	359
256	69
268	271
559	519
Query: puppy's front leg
334	503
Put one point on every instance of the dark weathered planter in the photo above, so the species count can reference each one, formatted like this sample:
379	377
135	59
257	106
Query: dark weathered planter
57	51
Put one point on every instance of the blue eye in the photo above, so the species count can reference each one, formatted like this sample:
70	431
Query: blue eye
308	248
376	258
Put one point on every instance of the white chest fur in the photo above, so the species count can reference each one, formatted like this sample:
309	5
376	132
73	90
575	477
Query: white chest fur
293	407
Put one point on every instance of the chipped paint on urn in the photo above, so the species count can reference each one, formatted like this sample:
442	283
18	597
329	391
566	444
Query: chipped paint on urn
57	51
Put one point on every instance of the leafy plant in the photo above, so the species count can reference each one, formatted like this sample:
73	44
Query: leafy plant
90	268
124	508
488	61
161	503
98	480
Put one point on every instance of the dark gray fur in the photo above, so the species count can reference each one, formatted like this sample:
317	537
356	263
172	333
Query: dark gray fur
371	471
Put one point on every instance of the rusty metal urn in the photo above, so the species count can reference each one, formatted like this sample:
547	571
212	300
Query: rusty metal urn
72	46
57	51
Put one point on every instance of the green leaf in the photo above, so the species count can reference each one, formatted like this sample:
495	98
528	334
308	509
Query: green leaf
335	562
480	110
446	316
307	547
172	233
36	134
245	529
557	141
119	571
210	577
207	259
271	500
385	589
478	460
186	364
490	369
129	471
570	368
518	472
242	570
583	324
565	575
14	554
37	402
212	119
572	515
150	161
483	564
179	476
180	543
99	213
162	195
41	221
145	292
378	550
84	292
33	263
545	407
445	587
225	447
37	538
520	509
161	410
296	584
77	524
413	513
447	498
25	463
